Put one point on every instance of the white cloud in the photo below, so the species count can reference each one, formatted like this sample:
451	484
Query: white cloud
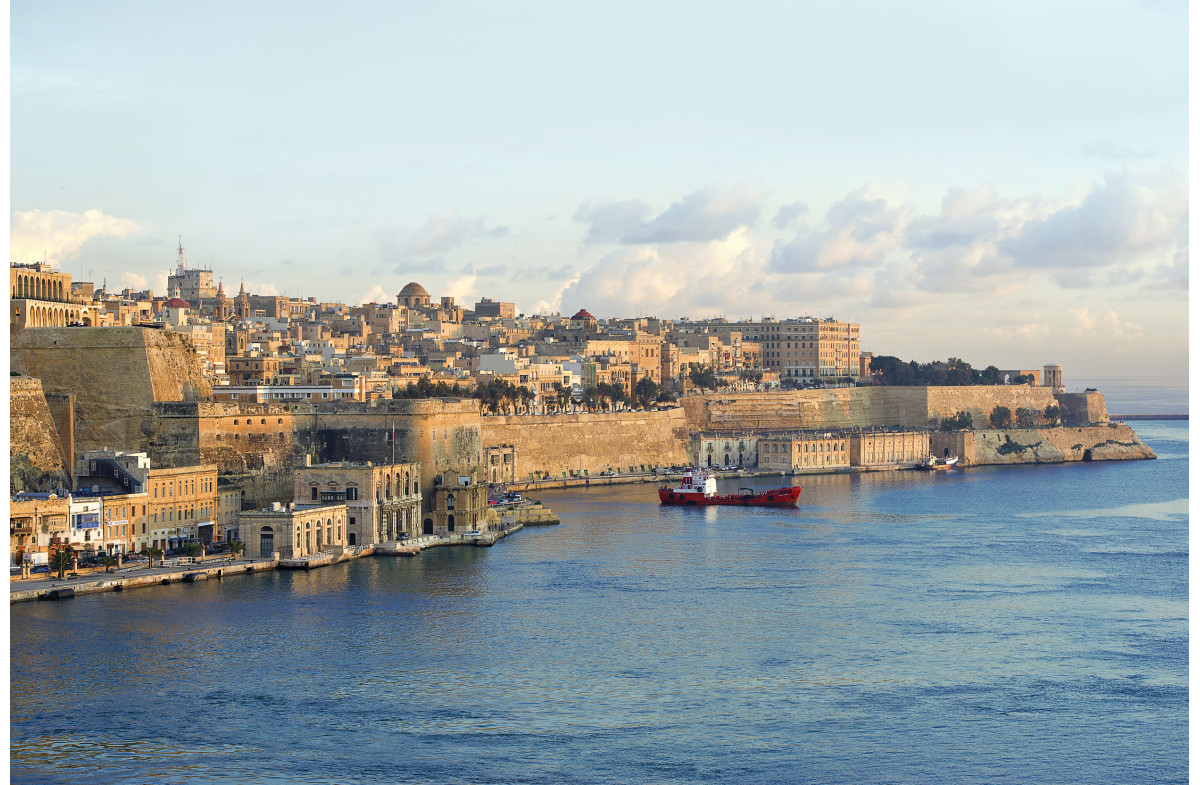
441	233
462	288
711	213
375	295
130	280
57	235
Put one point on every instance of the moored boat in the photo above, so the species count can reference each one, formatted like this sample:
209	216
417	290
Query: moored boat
699	487
933	464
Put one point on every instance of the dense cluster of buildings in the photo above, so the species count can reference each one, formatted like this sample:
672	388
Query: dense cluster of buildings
306	437
262	348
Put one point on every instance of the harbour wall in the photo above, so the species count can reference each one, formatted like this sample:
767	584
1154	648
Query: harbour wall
560	445
1110	442
878	407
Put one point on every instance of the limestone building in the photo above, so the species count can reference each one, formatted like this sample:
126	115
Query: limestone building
383	501
294	531
803	451
40	296
889	448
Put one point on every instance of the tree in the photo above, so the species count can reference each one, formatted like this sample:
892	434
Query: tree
236	547
646	391
705	378
1001	417
192	549
1027	417
153	553
61	561
957	422
109	562
1052	415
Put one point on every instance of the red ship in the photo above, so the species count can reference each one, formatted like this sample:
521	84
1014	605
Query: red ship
699	487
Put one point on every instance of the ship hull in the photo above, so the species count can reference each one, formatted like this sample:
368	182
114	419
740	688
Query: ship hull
776	497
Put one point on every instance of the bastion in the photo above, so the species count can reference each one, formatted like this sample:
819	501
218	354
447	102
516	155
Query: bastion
115	373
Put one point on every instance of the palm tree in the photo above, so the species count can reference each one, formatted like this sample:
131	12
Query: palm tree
109	562
153	553
236	547
61	561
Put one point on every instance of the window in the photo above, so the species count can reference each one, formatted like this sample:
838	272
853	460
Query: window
351	494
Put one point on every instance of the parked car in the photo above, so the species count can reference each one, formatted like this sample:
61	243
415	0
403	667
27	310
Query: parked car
473	533
41	568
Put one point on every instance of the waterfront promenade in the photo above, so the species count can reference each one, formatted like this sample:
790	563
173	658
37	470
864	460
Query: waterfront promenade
189	570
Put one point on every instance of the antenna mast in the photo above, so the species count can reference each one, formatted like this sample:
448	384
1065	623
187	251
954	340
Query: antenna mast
179	269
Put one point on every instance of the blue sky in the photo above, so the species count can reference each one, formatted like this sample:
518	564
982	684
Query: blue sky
1002	182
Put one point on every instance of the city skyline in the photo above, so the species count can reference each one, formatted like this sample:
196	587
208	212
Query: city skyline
1004	184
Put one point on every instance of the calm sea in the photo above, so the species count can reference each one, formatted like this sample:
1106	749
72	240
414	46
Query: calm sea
1142	395
996	625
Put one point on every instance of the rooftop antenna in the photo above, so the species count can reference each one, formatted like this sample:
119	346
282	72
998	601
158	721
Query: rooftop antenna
179	269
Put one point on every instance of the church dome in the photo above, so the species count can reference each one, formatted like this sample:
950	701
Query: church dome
583	315
177	302
414	289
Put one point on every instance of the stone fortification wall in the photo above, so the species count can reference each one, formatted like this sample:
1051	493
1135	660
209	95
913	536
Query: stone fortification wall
1084	408
1112	442
237	437
855	407
31	428
115	373
979	401
553	444
443	434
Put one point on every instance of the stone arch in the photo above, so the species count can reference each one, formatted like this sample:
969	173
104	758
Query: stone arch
427	526
407	484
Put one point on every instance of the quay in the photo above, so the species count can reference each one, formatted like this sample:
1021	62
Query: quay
191	570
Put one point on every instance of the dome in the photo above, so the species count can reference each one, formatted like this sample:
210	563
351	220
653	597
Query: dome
583	315
177	302
414	289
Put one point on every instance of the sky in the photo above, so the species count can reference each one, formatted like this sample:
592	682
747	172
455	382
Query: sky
1004	182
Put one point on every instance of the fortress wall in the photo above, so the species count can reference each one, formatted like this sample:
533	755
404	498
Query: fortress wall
595	442
855	407
443	434
115	373
31	427
237	437
1112	442
979	401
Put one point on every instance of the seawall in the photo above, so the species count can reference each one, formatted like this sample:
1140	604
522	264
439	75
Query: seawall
552	445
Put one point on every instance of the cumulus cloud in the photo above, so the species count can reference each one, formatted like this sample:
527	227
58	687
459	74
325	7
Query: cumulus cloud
1130	218
669	279
861	229
711	213
375	295
1130	229
442	233
56	235
788	215
463	287
129	280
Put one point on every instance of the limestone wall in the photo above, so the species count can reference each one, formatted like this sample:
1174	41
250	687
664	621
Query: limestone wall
31	428
115	374
1112	442
856	407
572	443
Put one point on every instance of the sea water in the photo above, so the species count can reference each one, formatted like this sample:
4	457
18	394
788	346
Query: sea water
992	625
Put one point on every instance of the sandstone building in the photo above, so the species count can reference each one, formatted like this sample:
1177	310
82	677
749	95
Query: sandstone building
293	531
382	501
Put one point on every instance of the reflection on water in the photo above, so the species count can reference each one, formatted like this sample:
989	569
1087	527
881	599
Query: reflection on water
964	627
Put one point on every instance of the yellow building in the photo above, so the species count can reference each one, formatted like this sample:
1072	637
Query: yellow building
181	506
41	297
892	448
804	452
294	531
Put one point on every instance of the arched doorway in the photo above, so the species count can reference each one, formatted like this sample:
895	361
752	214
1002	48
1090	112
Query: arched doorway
266	541
427	526
450	523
